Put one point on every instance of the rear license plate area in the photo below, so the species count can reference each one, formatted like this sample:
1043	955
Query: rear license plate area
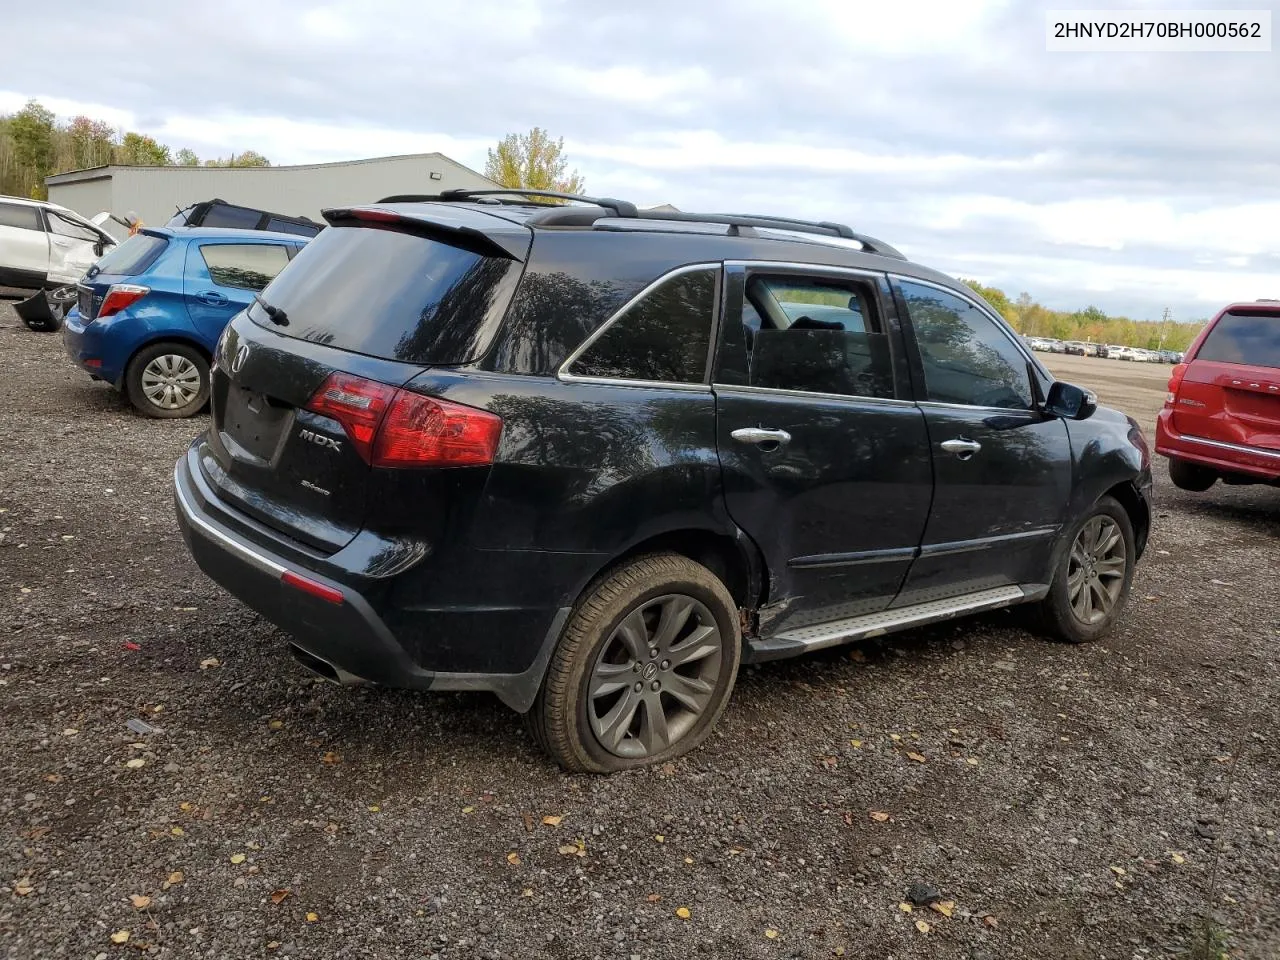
255	422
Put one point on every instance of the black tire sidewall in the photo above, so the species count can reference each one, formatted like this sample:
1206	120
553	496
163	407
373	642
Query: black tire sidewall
1191	476
133	380
703	587
1060	618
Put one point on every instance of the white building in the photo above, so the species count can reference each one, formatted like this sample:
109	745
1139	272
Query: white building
156	193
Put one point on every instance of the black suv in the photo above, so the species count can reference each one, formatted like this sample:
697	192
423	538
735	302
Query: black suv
591	458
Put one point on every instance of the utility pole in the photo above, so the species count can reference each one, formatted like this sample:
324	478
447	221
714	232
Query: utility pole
1164	323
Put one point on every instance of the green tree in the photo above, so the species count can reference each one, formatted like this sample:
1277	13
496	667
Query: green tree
996	297
532	160
139	150
31	132
186	157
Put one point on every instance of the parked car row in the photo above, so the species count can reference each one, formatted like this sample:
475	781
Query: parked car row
1106	351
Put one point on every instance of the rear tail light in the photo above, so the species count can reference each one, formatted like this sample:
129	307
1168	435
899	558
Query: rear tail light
357	404
119	296
1175	381
400	428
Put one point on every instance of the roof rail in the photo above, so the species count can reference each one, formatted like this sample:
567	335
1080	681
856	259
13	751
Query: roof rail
620	208
569	216
824	228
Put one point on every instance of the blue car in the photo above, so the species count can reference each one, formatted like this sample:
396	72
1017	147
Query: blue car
150	312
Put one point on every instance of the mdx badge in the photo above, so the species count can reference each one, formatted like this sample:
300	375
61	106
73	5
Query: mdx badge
241	356
320	441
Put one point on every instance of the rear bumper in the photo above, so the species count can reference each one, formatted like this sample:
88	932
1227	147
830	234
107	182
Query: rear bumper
346	634
1216	454
87	346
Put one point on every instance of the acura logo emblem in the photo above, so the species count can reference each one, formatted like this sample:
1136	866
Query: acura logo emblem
238	361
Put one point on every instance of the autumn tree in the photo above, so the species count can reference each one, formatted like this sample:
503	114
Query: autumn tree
186	157
532	160
249	158
139	150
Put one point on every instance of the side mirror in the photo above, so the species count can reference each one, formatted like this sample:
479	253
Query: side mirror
1070	402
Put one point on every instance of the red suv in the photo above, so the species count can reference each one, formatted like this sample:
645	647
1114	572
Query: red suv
1221	418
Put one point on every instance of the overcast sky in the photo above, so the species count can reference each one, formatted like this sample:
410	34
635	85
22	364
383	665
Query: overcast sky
1130	181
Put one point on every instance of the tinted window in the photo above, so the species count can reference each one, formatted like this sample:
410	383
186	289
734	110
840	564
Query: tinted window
65	227
818	336
967	358
131	257
1242	338
222	215
291	226
244	265
393	295
23	217
664	337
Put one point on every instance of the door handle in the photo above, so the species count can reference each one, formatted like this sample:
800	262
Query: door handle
211	297
60	242
962	448
760	436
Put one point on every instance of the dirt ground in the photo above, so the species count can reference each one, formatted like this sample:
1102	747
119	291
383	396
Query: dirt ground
1118	800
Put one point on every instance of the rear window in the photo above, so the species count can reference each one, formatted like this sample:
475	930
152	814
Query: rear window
131	257
393	295
1252	339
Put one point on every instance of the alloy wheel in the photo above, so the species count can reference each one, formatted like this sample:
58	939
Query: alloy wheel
1096	569
170	381
654	676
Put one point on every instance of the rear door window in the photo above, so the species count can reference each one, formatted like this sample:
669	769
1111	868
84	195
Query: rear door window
248	266
662	338
132	257
1249	338
390	294
816	335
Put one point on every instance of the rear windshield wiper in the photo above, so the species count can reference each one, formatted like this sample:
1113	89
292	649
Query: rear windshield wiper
275	314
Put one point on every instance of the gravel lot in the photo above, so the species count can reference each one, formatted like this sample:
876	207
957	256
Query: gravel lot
1088	802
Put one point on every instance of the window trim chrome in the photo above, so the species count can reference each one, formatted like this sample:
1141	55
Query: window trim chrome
807	394
564	375
859	272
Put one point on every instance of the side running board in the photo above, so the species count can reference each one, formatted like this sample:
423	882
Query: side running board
820	635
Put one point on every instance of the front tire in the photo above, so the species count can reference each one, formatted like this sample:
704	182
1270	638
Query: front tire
643	670
168	380
1095	573
1191	476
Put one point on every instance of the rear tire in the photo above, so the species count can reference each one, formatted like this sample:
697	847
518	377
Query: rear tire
168	380
1095	572
643	670
1191	476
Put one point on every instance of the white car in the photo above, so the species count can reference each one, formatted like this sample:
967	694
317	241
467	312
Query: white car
45	245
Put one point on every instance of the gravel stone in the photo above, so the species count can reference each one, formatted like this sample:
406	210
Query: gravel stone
1125	746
